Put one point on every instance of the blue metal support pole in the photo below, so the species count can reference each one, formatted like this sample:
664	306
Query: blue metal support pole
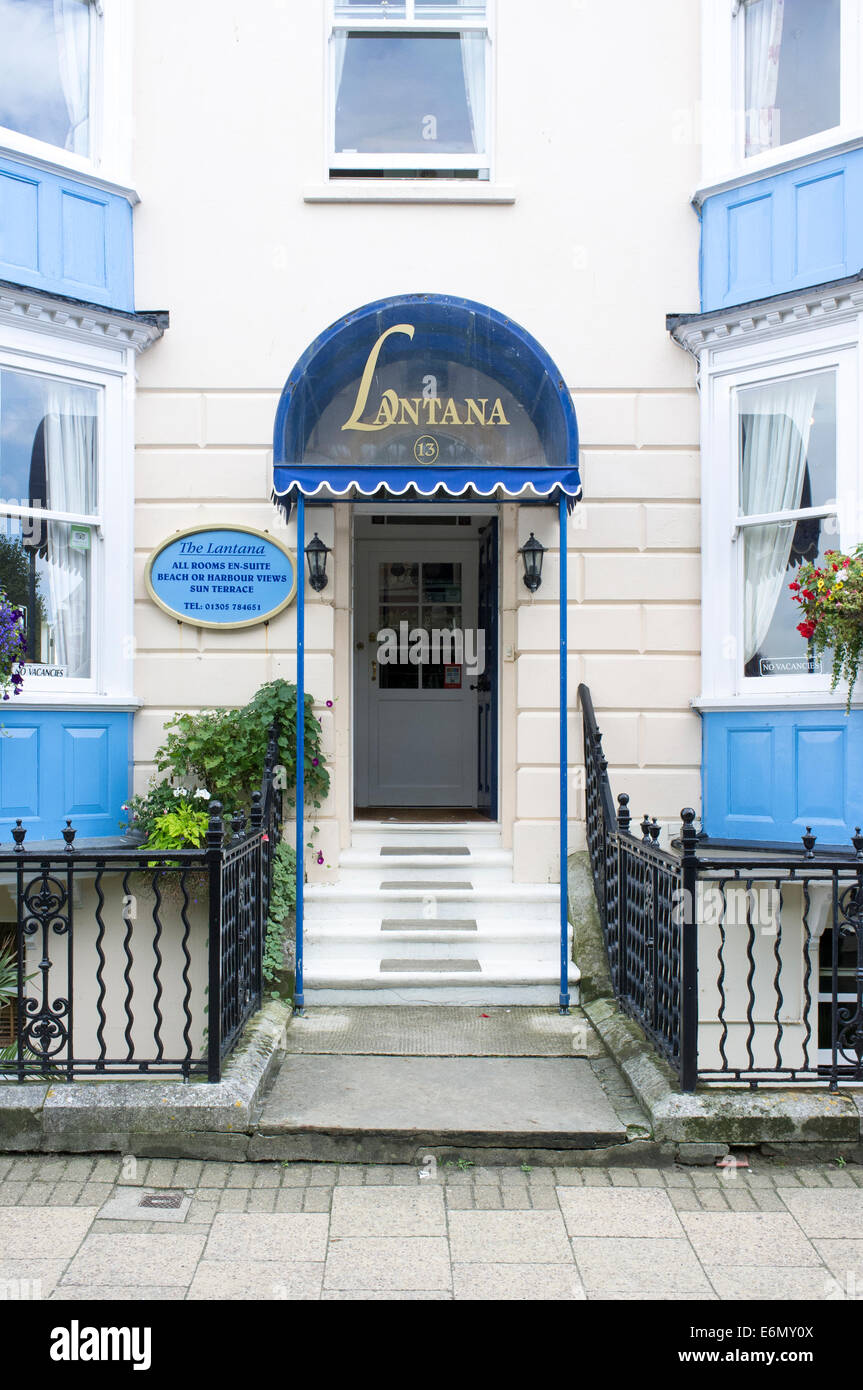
301	748
564	772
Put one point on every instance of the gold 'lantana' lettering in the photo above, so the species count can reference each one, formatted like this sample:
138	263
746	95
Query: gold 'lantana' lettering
416	410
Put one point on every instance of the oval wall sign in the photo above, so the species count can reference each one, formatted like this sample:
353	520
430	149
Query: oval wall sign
222	576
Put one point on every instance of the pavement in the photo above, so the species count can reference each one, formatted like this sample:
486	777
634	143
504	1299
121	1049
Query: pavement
74	1228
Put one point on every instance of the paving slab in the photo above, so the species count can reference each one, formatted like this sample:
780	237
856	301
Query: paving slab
490	1031
833	1215
389	1264
740	1283
516	1282
35	1231
28	1279
132	1293
640	1266
748	1238
611	1211
387	1211
121	1260
378	1295
262	1280
277	1236
508	1237
416	1102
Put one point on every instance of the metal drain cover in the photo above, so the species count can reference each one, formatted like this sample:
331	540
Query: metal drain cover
164	1200
130	1203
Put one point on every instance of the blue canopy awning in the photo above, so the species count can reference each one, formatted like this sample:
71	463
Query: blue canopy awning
425	395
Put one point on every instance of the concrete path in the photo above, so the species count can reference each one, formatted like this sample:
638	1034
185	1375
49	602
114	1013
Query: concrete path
75	1229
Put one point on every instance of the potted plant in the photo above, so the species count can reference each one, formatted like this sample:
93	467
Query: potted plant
830	596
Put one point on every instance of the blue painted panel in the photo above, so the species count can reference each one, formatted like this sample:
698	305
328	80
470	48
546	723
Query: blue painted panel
767	775
820	756
750	241
61	235
56	764
86	758
85	239
820	224
19	221
783	232
19	769
750	773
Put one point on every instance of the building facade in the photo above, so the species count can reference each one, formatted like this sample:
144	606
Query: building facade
571	179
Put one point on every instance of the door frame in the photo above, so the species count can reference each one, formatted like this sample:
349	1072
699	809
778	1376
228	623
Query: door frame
480	510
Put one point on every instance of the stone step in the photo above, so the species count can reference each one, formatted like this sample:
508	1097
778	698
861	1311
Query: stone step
393	1031
397	1109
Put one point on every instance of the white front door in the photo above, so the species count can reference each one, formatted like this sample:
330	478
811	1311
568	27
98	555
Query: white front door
416	725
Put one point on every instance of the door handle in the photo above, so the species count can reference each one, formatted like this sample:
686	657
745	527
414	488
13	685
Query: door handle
374	671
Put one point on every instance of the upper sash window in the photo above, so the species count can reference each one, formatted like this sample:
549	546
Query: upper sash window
792	71
46	71
410	89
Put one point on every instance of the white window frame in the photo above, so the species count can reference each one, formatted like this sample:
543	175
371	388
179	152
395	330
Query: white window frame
380	23
724	372
724	96
110	153
111	553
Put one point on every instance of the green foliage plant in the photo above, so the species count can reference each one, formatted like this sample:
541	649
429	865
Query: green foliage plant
224	749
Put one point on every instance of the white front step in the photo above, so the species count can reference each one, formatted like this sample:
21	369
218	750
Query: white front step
491	941
375	834
354	982
525	902
428	914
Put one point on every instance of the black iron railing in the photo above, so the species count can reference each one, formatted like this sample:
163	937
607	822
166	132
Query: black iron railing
742	963
137	961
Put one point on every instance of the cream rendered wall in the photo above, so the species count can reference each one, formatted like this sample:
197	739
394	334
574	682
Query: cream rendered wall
595	106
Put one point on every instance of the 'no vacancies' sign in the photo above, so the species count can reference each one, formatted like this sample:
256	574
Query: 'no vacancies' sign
224	576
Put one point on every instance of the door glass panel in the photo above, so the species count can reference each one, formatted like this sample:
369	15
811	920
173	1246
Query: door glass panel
424	597
399	583
398	602
441	611
441	583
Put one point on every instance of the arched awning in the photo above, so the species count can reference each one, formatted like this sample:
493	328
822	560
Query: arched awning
425	395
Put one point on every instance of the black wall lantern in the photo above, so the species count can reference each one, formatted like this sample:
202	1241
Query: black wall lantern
316	554
531	553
